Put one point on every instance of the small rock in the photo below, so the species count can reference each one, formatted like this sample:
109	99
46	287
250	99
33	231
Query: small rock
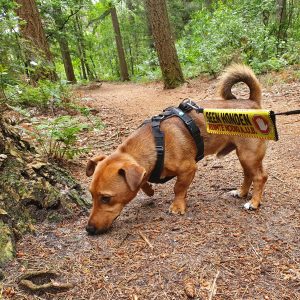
3	157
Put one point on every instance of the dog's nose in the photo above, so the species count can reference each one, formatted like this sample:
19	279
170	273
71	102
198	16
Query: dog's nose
91	229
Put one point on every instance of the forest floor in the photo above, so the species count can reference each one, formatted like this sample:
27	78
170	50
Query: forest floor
217	250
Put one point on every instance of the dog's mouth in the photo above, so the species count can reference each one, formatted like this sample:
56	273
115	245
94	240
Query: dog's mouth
98	231
91	230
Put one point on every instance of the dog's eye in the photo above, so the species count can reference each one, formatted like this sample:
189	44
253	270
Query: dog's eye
105	199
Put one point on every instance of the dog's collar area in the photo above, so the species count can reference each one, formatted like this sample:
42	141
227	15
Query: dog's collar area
181	112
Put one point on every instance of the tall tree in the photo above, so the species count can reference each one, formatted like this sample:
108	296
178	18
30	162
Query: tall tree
119	43
85	67
33	32
164	43
63	43
281	16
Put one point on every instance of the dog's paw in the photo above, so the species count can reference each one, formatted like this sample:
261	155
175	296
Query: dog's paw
249	206
235	193
177	209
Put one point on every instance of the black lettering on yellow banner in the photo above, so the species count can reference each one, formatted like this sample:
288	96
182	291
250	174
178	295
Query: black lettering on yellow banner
256	123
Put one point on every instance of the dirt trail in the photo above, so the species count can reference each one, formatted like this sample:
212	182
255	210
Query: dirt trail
249	255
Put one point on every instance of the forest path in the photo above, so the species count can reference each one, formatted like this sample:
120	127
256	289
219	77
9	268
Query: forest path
250	255
144	100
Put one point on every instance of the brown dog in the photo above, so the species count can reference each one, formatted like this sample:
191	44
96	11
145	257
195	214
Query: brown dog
117	178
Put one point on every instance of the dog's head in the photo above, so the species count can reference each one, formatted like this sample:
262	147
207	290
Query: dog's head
116	180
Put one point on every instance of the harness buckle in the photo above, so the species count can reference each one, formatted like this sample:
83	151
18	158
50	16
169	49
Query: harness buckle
159	148
158	117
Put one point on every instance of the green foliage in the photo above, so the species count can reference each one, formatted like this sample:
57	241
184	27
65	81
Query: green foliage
10	50
208	38
45	95
58	137
246	31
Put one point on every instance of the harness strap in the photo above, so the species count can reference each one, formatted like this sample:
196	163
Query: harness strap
159	138
160	141
194	131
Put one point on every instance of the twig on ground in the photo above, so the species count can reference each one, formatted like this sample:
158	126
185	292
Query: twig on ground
146	240
255	252
123	240
213	287
245	291
279	179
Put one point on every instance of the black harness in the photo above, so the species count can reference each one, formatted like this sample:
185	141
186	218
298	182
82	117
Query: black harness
180	112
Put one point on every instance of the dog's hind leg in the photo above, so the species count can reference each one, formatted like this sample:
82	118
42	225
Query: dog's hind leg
259	180
248	178
251	161
184	179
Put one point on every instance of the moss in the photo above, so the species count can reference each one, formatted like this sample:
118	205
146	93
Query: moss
31	190
6	243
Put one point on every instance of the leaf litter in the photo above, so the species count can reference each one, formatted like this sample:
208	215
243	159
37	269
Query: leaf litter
215	251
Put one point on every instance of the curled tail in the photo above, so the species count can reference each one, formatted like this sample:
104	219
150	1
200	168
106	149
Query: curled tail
239	73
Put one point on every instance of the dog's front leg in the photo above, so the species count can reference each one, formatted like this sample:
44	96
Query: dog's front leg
147	189
182	184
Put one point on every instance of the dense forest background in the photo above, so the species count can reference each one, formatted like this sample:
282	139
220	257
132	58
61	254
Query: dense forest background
80	41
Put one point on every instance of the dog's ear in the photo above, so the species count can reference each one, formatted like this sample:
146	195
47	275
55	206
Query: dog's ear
133	175
92	163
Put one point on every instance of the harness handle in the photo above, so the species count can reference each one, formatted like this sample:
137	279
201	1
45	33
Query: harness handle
187	105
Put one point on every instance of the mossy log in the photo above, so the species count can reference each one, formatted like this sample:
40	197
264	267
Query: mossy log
31	190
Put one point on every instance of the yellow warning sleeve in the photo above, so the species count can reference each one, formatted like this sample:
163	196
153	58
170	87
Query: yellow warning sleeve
254	123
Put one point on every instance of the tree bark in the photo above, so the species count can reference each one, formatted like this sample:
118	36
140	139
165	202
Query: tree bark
208	4
164	43
281	15
134	35
33	32
121	54
66	57
86	70
63	44
149	29
31	190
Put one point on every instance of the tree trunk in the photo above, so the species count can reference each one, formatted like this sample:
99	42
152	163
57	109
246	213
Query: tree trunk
66	57
208	4
63	44
86	71
281	16
130	44
122	61
164	43
33	32
149	29
31	190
